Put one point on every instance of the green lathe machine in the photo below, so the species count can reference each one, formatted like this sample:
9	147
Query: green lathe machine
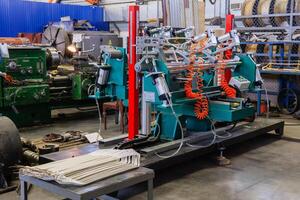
59	73
24	90
29	93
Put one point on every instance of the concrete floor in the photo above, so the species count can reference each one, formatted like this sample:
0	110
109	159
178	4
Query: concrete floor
264	168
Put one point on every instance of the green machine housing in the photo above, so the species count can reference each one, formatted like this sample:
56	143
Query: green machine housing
27	100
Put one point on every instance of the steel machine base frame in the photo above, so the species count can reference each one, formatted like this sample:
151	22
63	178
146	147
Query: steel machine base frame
244	131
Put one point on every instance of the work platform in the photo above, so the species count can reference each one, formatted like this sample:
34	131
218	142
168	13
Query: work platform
197	144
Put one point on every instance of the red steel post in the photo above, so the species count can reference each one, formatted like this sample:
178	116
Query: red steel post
133	105
228	53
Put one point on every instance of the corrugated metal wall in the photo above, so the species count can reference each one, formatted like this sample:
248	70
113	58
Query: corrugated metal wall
23	16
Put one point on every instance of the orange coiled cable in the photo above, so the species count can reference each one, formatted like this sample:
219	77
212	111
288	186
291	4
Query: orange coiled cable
229	91
201	106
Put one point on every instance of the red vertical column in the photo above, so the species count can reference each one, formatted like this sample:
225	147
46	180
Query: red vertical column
228	54
133	105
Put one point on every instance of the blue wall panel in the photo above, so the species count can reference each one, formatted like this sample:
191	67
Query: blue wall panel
23	16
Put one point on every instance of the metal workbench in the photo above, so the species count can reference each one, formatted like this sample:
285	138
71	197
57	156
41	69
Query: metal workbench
94	190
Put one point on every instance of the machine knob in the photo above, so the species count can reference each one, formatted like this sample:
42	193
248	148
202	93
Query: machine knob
12	66
29	70
23	71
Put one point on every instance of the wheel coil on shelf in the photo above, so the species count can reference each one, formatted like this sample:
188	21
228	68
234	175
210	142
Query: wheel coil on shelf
256	21
272	11
281	7
247	10
296	9
265	7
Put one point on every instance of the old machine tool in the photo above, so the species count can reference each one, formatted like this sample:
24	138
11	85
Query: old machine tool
59	73
24	89
29	91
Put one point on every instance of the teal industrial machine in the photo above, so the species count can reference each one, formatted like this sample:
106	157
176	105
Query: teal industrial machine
112	75
184	88
29	91
220	108
184	83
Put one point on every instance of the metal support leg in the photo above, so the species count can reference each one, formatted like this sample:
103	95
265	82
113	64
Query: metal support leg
105	119
121	111
221	159
24	194
150	189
